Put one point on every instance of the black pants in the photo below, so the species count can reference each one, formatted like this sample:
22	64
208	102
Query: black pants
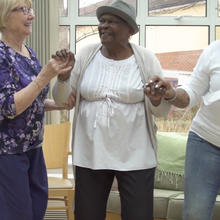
92	188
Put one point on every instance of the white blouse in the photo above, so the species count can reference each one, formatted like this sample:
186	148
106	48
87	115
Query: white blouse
204	85
111	130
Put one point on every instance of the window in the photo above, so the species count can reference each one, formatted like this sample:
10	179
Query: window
64	37
87	7
85	34
63	8
218	7
175	30
177	8
218	33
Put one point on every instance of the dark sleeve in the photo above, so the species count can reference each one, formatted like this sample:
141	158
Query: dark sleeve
7	89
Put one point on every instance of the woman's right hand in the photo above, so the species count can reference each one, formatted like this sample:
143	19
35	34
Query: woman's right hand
50	104
71	101
60	65
57	65
68	56
157	88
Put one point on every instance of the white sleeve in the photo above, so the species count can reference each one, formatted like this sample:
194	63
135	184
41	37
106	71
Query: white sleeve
163	108
199	81
61	91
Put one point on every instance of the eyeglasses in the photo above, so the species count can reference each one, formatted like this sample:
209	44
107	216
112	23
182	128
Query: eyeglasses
25	10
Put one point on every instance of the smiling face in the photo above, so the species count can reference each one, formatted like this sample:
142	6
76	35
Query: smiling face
19	21
113	30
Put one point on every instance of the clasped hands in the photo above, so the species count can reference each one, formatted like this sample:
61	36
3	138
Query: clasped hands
66	59
157	88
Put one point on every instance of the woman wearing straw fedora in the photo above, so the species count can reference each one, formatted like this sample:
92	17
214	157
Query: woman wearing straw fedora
113	126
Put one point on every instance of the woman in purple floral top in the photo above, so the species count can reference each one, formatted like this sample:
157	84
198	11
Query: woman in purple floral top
23	91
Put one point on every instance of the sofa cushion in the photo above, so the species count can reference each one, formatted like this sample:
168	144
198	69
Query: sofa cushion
171	160
161	201
175	208
216	212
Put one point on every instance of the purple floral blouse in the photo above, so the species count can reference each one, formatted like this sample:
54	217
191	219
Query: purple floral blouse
23	132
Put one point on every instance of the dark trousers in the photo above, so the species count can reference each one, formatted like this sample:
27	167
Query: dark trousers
23	186
92	188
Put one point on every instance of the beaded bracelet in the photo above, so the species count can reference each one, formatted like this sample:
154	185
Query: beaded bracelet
174	97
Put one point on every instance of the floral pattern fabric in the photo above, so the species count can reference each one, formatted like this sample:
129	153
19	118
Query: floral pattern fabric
25	131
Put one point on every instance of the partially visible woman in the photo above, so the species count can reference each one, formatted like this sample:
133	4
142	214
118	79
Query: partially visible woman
113	125
23	91
202	166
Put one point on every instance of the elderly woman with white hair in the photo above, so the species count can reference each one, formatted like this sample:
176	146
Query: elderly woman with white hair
113	125
23	91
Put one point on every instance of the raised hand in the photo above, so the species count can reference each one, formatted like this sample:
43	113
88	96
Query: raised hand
57	65
68	58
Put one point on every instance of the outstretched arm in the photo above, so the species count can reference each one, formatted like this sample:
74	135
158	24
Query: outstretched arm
50	104
158	88
25	97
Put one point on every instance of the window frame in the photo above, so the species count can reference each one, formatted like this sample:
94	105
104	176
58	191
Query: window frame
211	20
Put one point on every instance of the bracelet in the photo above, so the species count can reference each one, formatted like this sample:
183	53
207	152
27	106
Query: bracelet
174	97
37	84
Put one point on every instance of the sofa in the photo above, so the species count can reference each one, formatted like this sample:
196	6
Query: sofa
169	181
